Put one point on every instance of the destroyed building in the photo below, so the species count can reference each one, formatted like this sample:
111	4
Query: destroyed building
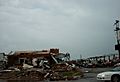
40	65
37	58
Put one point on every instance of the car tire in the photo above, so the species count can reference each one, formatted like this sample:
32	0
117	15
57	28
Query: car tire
115	78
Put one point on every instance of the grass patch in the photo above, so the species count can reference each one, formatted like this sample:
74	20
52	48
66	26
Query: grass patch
71	73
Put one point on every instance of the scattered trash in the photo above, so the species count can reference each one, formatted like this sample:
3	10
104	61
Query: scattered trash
26	66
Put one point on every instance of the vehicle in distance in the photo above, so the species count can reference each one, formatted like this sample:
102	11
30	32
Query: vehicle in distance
112	75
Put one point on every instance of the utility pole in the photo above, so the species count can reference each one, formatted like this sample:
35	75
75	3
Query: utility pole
117	30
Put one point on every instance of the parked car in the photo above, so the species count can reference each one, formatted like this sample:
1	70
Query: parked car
112	75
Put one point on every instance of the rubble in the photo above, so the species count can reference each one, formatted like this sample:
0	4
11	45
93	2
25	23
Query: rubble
40	65
53	74
26	66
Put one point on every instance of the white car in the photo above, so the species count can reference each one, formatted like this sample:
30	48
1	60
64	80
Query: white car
111	75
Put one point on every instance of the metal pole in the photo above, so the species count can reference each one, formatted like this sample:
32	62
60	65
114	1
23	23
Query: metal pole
117	35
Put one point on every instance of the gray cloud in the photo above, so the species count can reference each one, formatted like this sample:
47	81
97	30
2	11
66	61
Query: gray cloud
75	26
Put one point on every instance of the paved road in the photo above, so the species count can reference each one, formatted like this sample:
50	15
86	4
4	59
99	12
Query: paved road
91	77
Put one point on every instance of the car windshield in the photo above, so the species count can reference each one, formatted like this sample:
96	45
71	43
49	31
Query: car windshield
115	69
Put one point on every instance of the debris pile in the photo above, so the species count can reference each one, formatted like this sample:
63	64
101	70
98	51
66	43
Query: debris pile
57	72
40	65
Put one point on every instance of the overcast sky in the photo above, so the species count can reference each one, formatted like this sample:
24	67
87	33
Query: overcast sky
76	26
